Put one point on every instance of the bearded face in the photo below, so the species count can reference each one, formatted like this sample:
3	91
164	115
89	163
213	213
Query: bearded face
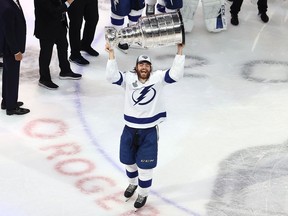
143	70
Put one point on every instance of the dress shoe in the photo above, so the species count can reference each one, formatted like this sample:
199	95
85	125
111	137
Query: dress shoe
19	104
264	17
18	111
90	51
79	60
48	84
234	19
70	75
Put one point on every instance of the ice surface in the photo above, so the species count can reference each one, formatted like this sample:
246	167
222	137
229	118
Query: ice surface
222	151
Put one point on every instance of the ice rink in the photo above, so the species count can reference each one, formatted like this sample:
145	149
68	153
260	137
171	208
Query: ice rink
223	150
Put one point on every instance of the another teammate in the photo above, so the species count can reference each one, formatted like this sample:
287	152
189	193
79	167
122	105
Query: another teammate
122	8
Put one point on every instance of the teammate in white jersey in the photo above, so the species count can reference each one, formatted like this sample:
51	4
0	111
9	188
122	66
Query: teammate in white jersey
143	111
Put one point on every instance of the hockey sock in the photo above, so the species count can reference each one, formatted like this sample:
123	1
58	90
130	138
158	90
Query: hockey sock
145	181
132	174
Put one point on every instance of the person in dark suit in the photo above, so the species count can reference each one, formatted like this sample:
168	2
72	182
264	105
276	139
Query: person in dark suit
1	63
87	9
236	7
51	28
13	37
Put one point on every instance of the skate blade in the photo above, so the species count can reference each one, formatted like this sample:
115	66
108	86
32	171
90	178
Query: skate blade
137	209
137	46
127	199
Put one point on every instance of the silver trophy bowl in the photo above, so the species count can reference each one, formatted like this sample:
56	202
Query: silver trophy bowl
150	31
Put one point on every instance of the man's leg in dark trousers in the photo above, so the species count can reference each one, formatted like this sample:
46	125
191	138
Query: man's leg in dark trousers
91	17
75	12
10	84
262	6
46	49
62	49
236	7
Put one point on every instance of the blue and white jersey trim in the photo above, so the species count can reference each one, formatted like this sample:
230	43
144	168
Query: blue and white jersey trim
148	120
167	77
120	81
145	122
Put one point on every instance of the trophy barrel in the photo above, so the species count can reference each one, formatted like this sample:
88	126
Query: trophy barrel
162	30
150	31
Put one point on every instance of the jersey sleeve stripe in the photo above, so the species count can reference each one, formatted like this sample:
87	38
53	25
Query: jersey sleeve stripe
167	77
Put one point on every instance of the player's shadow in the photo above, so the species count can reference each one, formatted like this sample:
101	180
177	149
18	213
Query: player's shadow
252	182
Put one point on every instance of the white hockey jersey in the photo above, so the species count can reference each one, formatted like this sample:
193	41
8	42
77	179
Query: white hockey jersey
143	102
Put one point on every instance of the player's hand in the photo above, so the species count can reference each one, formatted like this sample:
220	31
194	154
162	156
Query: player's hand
108	47
110	50
18	56
180	48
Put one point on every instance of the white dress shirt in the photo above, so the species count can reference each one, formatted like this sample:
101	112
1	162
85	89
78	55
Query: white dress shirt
17	3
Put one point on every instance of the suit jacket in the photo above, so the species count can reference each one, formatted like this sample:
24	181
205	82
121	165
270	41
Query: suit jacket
48	16
1	38
12	28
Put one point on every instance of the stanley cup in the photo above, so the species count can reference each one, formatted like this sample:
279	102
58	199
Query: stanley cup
150	31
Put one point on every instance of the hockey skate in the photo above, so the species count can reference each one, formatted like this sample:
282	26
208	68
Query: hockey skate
263	16
140	202
130	191
123	47
150	10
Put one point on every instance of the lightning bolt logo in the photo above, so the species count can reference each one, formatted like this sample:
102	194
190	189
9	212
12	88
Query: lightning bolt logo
143	94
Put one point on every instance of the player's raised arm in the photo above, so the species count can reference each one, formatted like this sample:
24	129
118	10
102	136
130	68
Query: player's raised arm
110	50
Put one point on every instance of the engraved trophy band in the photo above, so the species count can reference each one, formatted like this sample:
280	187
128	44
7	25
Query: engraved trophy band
150	31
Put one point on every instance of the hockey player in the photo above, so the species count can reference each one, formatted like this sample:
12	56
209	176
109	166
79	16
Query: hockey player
163	6
143	112
122	8
214	14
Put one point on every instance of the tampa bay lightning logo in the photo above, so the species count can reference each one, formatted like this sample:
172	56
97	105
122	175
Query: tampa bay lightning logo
145	96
